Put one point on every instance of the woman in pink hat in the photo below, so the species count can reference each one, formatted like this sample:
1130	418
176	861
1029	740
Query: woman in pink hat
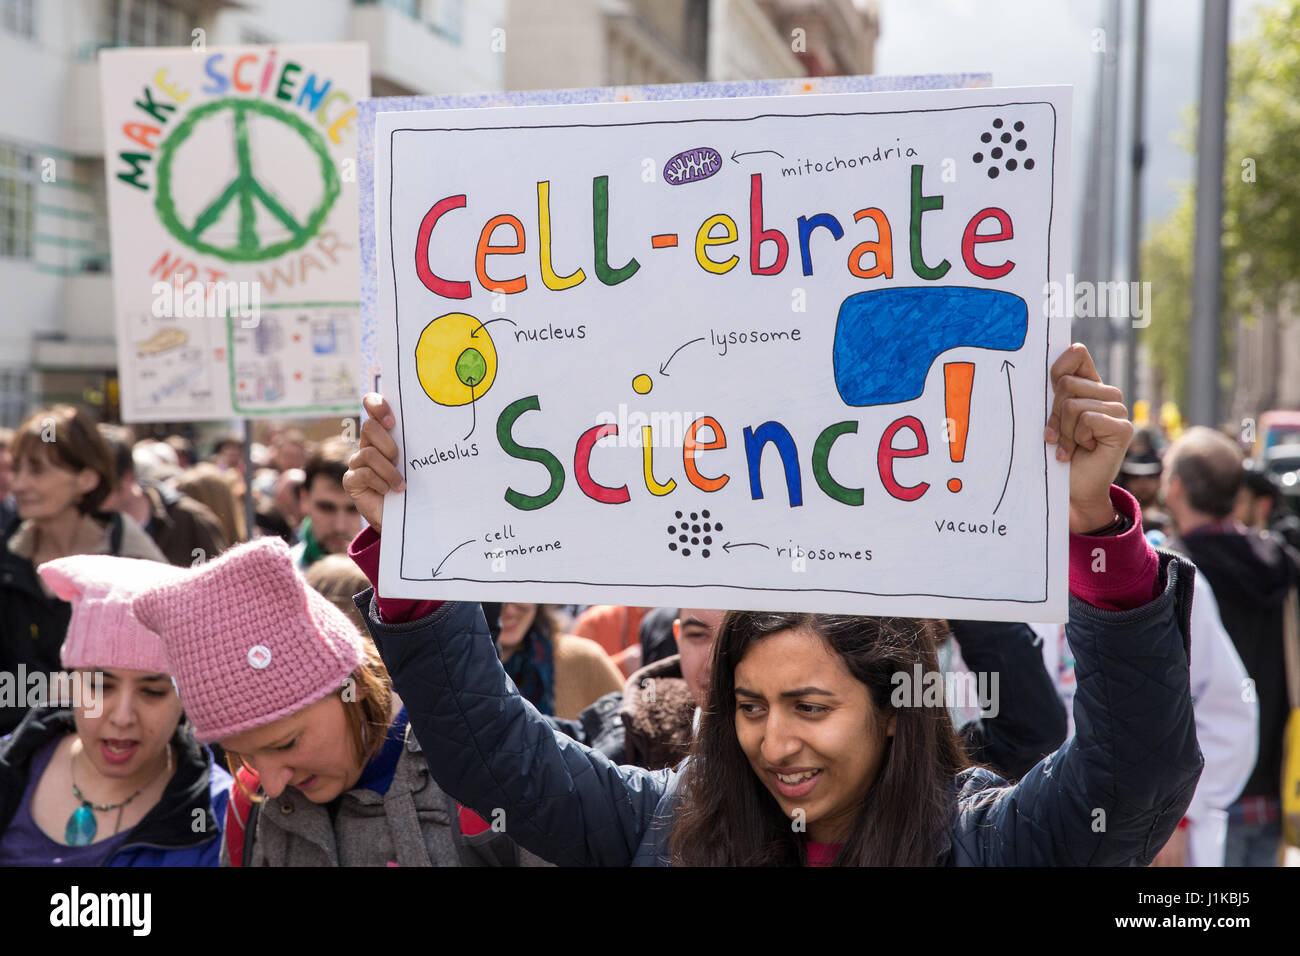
304	708
118	779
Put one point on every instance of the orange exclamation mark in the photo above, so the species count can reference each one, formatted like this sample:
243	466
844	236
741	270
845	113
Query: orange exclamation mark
957	380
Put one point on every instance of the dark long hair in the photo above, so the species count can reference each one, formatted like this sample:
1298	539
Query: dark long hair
727	816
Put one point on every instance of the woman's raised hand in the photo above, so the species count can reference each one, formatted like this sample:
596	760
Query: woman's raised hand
372	471
1091	430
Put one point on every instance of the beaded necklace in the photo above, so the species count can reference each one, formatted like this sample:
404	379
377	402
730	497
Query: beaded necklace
82	826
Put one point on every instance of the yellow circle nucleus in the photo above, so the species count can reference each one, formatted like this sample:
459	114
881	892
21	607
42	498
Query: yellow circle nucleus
641	384
455	359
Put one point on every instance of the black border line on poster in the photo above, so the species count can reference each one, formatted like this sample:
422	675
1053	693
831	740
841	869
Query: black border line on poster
745	119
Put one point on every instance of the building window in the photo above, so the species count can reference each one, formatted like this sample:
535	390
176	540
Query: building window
695	34
147	23
17	201
252	37
13	396
409	7
444	17
18	18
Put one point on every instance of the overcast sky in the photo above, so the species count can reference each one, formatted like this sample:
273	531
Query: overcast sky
1027	42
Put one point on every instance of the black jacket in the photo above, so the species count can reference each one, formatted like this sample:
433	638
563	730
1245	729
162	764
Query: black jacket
1251	575
657	641
1029	722
32	624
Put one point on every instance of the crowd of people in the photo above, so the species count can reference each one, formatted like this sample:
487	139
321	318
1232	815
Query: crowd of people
257	702
1202	498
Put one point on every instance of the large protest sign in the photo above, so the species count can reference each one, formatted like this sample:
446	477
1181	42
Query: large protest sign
233	211
785	353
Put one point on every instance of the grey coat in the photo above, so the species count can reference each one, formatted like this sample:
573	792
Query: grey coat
413	824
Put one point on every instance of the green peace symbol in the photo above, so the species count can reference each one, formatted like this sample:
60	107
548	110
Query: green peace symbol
244	188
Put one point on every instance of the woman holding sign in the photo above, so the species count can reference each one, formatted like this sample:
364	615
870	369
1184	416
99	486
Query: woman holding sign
804	756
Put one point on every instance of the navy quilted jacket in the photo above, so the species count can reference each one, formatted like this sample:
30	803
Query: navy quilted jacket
1110	796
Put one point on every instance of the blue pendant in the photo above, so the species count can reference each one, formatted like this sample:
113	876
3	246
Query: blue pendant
81	827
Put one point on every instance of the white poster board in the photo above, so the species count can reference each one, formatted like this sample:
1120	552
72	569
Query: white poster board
233	214
779	353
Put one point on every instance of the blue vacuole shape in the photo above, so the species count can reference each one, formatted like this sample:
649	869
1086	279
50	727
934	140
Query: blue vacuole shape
887	339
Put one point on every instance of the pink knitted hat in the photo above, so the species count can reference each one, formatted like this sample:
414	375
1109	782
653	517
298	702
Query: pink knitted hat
103	633
249	642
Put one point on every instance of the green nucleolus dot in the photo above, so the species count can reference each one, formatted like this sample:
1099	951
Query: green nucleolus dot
471	367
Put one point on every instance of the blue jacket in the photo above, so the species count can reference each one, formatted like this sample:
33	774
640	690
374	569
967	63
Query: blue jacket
183	828
1109	796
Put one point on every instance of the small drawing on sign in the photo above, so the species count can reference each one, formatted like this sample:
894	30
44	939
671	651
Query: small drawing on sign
691	532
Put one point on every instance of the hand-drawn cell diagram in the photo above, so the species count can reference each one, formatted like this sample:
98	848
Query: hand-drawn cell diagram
455	359
280	185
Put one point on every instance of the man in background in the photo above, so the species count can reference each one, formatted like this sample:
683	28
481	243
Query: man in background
332	520
1253	576
653	720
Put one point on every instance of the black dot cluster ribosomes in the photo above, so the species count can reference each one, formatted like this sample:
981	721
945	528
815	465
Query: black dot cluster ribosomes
1004	138
692	530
